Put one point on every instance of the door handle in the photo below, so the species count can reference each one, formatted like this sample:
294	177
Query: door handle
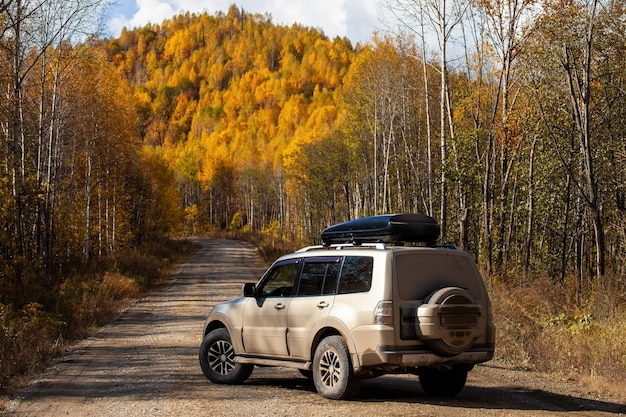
322	304
279	306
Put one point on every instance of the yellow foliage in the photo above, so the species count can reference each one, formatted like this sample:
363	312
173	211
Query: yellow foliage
237	85
179	46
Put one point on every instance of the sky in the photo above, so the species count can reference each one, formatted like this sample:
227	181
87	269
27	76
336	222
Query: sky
354	19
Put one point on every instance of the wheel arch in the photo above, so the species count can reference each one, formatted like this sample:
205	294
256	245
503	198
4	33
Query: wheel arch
330	330
221	322
213	325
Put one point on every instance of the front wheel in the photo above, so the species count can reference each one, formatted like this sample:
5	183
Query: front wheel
217	359
443	383
333	375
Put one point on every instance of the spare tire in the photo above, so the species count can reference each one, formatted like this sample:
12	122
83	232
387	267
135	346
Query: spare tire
448	322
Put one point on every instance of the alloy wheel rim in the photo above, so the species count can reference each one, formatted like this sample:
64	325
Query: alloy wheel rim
221	357
330	369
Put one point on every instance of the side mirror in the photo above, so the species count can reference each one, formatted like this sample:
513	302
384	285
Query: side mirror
249	289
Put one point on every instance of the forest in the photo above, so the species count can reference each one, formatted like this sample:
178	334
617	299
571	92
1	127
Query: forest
509	128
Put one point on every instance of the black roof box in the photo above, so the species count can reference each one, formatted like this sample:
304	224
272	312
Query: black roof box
387	228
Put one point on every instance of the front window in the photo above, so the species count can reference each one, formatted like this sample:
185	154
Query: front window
280	280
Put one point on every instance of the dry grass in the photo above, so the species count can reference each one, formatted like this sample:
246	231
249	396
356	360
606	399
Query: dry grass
117	286
544	327
32	335
27	338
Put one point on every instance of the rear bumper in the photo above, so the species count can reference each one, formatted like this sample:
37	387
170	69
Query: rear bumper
388	356
385	357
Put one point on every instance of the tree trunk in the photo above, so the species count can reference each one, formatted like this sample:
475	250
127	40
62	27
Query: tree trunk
531	209
442	109
431	173
579	83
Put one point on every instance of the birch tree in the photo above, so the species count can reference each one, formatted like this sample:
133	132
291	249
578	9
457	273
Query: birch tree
442	17
504	31
581	42
32	30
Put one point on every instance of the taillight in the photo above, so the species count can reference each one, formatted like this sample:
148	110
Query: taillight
383	313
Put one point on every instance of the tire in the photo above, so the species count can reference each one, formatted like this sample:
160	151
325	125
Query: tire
443	383
333	374
217	359
450	345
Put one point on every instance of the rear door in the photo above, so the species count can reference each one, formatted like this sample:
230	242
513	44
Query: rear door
264	329
312	302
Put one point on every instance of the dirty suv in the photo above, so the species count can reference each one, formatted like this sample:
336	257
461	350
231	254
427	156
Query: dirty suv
377	297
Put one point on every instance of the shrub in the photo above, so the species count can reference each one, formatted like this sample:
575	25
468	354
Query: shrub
544	327
116	286
31	336
27	338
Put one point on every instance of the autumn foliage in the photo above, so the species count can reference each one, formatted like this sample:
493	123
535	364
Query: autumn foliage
222	97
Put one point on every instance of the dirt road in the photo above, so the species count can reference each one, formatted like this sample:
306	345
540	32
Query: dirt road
145	363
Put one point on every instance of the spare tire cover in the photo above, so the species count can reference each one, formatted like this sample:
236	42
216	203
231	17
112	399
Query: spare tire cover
461	336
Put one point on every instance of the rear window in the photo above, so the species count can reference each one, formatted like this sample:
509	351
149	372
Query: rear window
419	274
356	274
319	276
335	275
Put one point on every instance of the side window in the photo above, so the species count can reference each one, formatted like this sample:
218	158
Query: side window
319	276
280	280
312	279
356	274
332	276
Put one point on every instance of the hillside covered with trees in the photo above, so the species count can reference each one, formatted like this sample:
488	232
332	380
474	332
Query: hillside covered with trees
231	122
280	127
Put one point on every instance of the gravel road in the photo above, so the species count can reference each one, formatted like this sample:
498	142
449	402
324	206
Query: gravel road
145	363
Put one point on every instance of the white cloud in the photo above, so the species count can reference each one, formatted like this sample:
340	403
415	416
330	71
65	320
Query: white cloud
355	19
325	14
361	19
153	11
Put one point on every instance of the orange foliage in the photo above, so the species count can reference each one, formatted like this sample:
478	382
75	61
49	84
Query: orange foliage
236	84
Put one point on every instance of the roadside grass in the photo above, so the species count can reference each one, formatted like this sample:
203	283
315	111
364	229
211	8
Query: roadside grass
547	327
34	334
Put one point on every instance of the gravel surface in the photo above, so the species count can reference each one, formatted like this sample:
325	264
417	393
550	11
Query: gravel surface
145	363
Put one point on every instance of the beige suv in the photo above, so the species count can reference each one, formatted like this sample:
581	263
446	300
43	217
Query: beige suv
365	303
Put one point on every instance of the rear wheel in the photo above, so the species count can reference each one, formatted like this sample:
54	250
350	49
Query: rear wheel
217	359
333	375
442	383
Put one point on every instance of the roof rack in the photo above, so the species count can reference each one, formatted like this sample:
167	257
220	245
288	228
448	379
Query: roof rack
370	245
339	246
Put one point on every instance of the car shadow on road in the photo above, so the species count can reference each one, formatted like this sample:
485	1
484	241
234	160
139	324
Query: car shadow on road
401	389
499	397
